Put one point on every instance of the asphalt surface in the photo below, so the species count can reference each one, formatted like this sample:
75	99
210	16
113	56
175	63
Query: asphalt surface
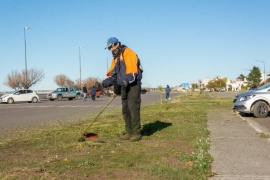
239	148
27	115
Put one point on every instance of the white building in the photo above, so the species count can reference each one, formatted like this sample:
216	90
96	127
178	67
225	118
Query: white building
204	82
236	85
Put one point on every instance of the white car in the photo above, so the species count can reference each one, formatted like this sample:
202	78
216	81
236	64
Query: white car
256	102
24	95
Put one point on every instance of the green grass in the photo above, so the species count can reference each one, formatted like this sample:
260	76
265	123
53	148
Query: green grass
175	145
263	135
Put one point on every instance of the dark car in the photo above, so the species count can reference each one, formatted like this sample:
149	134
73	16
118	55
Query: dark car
143	91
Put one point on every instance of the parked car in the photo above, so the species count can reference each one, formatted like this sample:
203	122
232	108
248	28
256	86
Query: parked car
222	89
23	95
143	91
61	93
254	102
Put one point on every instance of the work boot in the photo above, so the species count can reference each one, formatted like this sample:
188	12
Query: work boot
136	137
125	136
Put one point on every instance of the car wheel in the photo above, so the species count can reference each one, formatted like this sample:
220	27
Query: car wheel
51	99
260	109
10	101
34	100
59	97
78	96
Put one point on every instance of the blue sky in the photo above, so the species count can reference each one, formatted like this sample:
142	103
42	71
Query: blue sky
177	41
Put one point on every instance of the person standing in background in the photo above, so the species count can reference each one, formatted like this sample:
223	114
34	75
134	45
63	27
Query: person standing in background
168	90
93	93
84	92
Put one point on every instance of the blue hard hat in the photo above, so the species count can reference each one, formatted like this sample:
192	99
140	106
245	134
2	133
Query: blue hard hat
111	41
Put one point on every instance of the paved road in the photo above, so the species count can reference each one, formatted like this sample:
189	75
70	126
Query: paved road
22	115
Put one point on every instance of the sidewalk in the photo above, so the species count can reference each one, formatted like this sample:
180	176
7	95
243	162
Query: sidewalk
237	149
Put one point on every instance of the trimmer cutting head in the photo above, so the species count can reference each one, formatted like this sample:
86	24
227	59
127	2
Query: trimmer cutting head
87	136
90	135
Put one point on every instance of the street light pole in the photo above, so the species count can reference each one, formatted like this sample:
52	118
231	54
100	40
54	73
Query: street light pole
25	28
80	67
263	69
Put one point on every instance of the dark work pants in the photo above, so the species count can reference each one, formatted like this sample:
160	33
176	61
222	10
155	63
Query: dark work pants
93	97
131	109
167	95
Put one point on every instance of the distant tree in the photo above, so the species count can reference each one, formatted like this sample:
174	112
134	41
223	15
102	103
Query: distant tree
220	83
77	84
211	85
69	83
254	77
216	84
16	80
241	77
194	86
230	88
63	81
244	88
92	81
60	80
34	76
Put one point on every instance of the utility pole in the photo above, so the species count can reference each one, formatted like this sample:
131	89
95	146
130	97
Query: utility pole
26	86
80	67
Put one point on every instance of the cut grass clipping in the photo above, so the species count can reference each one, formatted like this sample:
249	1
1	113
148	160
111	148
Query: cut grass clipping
174	146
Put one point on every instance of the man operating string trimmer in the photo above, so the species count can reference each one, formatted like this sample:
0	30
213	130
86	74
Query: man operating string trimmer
125	74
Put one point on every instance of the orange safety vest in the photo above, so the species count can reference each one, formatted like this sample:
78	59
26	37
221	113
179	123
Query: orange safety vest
130	62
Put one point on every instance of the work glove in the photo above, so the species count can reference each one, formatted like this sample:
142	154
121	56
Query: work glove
107	82
98	85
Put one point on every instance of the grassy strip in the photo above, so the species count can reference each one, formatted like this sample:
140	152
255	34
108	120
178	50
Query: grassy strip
175	146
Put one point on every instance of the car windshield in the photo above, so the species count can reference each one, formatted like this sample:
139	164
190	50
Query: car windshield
59	90
264	86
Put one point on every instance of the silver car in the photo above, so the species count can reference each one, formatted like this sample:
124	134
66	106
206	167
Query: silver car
254	102
23	95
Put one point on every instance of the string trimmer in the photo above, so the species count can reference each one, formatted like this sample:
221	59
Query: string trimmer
86	134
